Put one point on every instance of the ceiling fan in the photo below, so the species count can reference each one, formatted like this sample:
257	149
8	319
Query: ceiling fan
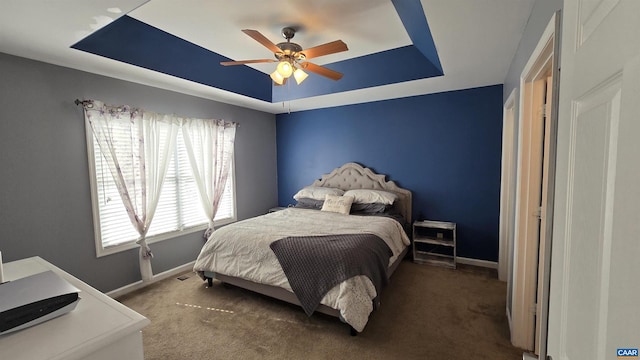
291	57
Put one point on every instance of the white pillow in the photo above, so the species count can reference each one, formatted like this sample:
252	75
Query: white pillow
338	204
369	196
316	192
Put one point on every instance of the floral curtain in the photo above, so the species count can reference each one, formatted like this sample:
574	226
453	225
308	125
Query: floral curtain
138	164
206	141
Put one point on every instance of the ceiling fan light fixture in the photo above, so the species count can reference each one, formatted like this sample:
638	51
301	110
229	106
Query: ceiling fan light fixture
299	75
291	57
284	68
277	78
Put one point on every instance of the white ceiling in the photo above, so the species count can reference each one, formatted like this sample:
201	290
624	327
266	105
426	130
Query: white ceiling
475	39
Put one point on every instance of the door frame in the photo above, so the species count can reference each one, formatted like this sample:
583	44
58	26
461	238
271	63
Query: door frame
547	224
527	254
508	190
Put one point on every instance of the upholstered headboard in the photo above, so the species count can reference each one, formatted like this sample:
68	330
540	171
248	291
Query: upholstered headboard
354	176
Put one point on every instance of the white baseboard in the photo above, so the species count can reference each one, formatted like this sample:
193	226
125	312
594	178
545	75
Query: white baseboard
140	284
476	262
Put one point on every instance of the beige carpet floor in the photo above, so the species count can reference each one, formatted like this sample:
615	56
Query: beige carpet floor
426	312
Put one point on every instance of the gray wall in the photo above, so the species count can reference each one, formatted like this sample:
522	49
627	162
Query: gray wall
45	204
538	21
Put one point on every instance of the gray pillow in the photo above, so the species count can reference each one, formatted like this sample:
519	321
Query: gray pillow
307	203
369	208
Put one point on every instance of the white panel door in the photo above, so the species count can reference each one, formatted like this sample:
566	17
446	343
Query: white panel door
595	272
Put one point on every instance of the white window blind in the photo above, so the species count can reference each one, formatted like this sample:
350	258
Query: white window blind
179	208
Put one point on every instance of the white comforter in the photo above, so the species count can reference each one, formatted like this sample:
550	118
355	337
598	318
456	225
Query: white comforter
242	250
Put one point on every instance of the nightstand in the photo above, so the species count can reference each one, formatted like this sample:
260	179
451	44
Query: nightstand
434	242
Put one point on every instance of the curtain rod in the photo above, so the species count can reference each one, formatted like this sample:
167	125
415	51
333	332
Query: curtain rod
78	102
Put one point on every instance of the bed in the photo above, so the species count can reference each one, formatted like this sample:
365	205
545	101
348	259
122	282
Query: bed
245	253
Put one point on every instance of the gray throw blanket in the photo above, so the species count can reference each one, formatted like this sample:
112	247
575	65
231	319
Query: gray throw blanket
315	264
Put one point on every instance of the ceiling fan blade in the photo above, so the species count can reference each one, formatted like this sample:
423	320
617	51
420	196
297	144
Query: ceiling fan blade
325	49
241	62
321	70
257	36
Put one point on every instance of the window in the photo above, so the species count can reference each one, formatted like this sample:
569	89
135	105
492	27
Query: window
179	208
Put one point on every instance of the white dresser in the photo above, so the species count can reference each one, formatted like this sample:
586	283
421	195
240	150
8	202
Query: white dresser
99	328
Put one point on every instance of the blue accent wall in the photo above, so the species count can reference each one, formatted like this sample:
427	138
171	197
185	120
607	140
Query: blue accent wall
412	16
154	49
445	148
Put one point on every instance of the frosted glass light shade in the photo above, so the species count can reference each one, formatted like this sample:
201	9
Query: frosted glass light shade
277	78
300	75
285	69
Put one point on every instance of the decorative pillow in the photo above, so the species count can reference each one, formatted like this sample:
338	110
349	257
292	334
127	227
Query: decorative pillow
368	196
316	192
338	204
306	203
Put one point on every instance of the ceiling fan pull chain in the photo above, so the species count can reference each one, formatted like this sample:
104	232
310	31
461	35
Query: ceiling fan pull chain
289	97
